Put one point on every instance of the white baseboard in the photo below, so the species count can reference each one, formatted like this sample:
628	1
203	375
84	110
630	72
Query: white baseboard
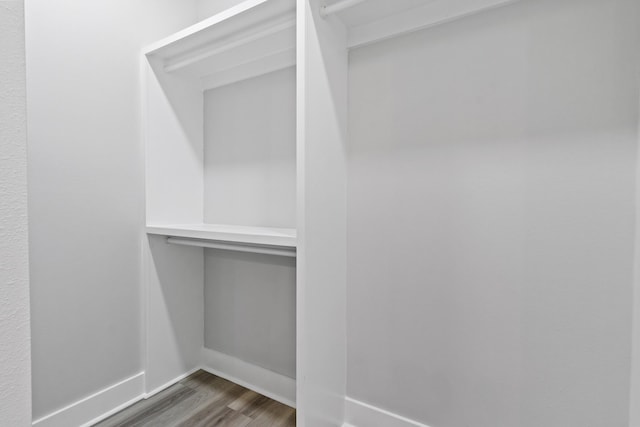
276	386
360	414
91	409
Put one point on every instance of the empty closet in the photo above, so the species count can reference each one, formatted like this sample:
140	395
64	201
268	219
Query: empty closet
246	136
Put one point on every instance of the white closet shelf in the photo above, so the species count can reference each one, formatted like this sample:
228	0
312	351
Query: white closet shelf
234	234
369	21
250	39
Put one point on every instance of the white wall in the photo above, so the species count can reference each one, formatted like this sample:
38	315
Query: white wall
15	366
86	189
491	217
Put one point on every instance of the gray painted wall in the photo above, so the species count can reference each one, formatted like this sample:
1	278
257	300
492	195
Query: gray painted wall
250	308
250	165
250	179
15	362
491	217
86	189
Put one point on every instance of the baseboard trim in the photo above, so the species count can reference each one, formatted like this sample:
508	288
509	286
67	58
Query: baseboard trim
273	385
90	410
360	414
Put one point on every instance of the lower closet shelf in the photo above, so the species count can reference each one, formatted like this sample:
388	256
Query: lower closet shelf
264	240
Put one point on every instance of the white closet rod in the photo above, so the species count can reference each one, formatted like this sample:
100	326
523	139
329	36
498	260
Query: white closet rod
288	252
330	9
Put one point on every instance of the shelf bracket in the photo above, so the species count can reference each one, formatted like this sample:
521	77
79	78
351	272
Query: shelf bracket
231	246
330	9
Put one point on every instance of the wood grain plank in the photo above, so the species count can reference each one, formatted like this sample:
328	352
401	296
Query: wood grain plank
195	379
138	416
218	402
220	416
255	406
243	400
204	400
273	414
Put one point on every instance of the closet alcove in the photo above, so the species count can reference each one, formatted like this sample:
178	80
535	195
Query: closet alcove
220	109
246	136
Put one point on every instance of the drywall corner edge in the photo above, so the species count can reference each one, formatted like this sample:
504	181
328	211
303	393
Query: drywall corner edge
634	390
15	359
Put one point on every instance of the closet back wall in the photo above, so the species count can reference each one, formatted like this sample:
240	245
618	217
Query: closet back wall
86	189
491	217
250	152
250	179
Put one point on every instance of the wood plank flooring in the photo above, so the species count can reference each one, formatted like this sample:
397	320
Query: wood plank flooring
204	400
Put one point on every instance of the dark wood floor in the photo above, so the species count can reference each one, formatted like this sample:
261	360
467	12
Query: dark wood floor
203	400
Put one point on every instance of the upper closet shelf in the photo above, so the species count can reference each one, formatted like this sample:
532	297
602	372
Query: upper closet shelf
370	21
253	38
232	234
